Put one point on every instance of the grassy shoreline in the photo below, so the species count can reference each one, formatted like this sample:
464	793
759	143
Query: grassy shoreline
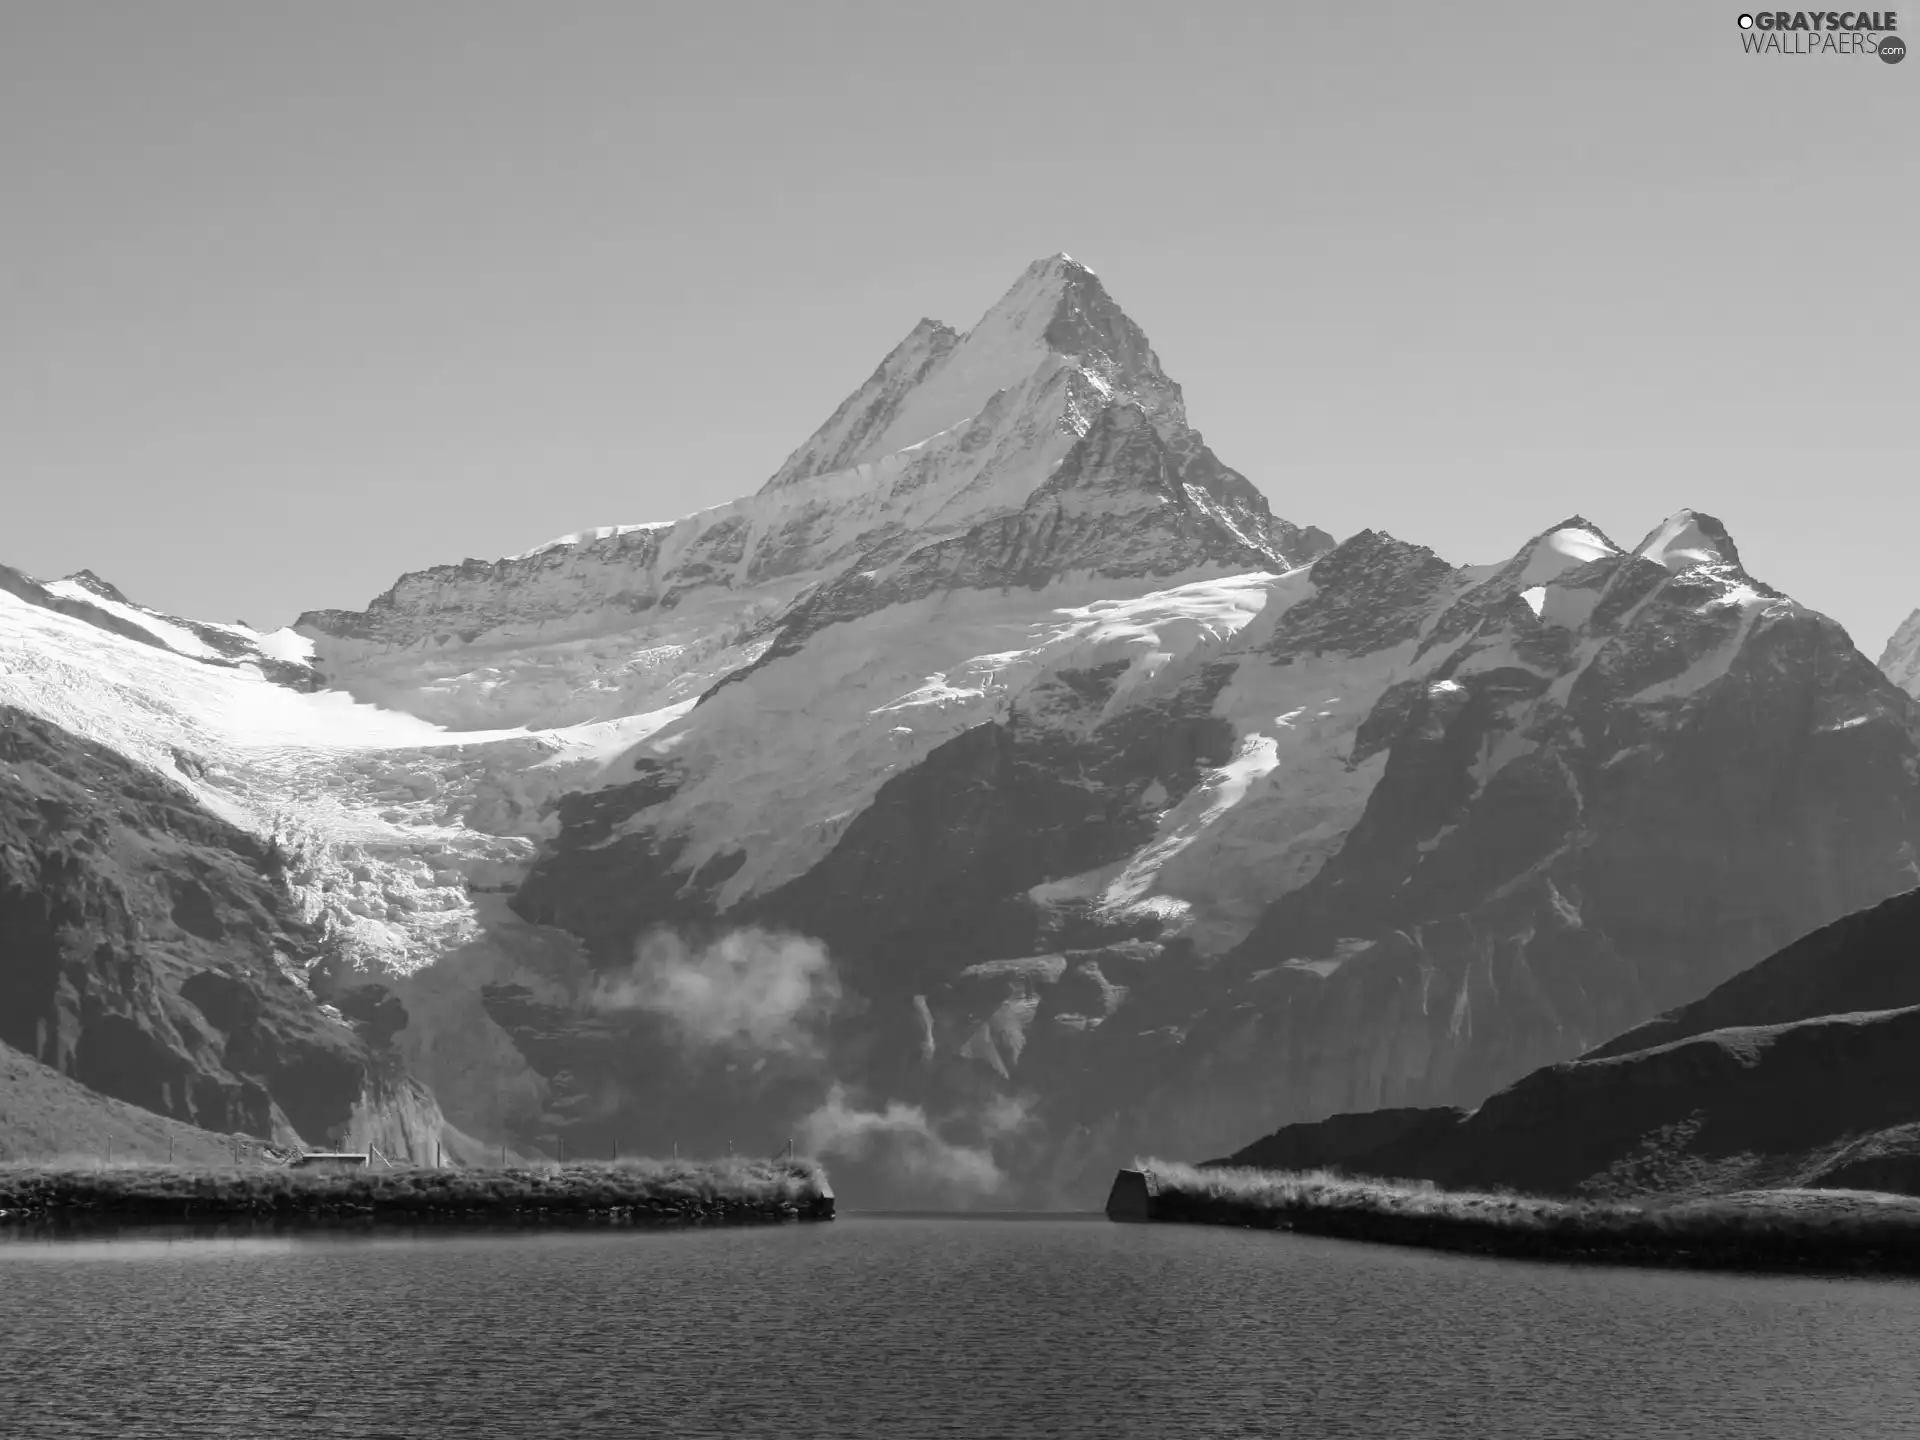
1754	1230
632	1192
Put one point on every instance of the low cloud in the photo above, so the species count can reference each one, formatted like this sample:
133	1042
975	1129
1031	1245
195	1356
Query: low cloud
1005	1114
756	989
902	1139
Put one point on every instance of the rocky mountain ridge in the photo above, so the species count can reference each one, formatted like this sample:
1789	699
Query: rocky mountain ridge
280	656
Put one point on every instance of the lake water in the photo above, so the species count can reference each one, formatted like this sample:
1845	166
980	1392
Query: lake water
877	1326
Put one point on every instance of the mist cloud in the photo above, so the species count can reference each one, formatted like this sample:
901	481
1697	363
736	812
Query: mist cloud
902	1138
757	989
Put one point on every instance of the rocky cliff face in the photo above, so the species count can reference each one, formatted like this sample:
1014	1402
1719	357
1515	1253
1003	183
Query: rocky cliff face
150	953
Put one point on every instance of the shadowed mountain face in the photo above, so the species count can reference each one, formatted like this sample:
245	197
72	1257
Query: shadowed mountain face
1802	1070
148	952
1002	789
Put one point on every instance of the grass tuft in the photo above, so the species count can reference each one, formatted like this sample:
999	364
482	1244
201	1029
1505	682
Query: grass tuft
633	1190
1835	1229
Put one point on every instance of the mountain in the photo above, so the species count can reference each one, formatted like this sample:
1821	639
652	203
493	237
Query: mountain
951	440
1803	1070
1900	661
151	957
1003	788
324	850
280	656
1608	780
1376	831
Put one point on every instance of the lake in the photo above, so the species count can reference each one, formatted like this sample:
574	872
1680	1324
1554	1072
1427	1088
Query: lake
895	1326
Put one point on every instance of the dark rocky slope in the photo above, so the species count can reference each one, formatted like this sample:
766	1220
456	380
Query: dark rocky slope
1803	1070
148	952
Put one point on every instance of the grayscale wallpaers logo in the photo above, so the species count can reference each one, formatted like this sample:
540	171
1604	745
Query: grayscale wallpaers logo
1823	32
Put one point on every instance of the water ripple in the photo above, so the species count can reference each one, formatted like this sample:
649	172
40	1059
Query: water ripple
926	1327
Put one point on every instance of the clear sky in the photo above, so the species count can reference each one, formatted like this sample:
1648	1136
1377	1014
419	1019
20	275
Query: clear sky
296	297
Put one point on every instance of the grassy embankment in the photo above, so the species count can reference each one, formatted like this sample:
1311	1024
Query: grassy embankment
734	1190
1757	1229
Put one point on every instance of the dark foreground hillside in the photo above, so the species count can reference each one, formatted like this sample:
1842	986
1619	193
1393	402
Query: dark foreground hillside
1802	1071
44	1115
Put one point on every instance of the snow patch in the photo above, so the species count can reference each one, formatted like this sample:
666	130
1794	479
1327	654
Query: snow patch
175	637
1680	544
1256	757
285	644
1568	606
1560	551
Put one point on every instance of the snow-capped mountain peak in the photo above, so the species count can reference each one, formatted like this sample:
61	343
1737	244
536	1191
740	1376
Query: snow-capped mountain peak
856	429
1057	314
88	581
279	656
1575	541
1687	539
964	460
